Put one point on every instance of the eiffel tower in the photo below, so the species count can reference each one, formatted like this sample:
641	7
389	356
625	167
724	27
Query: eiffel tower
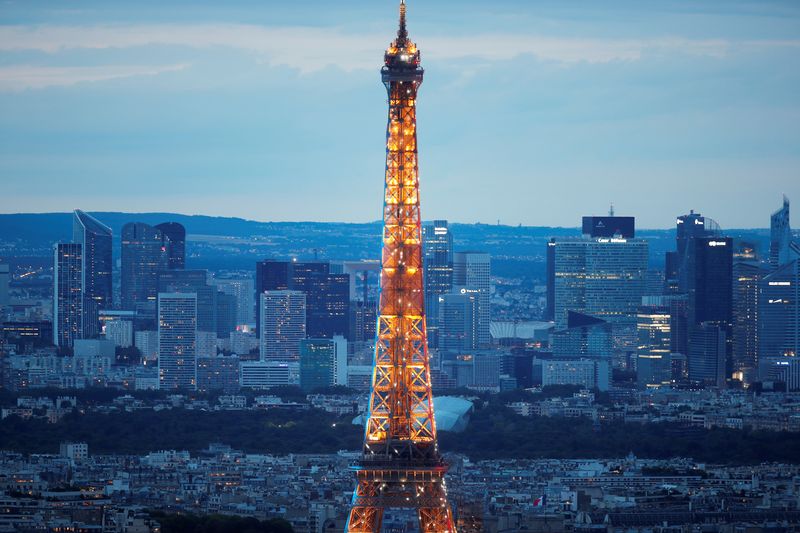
401	466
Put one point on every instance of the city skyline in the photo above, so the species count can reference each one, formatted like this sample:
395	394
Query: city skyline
566	104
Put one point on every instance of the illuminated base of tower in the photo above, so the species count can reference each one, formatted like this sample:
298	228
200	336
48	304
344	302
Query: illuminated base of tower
422	489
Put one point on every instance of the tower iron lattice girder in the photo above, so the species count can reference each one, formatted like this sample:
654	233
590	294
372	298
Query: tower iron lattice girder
401	466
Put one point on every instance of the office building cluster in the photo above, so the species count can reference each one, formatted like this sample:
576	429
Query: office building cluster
721	315
609	310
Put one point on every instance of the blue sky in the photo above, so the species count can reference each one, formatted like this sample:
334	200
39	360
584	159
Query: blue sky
532	112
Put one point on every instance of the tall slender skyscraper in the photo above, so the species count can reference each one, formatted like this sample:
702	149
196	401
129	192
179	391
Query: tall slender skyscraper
687	228
175	234
95	240
5	274
437	264
401	465
747	276
144	254
67	294
472	270
779	312
177	341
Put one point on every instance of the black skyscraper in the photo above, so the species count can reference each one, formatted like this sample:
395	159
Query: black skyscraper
176	235
688	227
710	290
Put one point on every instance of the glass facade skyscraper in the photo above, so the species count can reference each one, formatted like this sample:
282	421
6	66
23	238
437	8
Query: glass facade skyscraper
654	363
779	312
175	234
95	240
472	271
144	253
317	363
747	276
603	277
67	294
437	264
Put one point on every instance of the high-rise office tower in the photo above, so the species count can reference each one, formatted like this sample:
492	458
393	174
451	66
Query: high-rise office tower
779	312
472	270
5	275
193	282
67	294
243	290
400	465
654	362
226	314
328	295
328	305
177	341
175	236
707	357
709	278
363	319
687	228
437	265
780	236
317	363
708	274
143	255
747	276
95	241
550	281
283	324
458	320
603	277
671	273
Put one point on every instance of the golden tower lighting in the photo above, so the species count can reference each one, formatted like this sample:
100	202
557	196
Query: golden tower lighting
401	466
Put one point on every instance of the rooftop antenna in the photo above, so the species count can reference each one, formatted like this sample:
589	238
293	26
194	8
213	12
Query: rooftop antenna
402	33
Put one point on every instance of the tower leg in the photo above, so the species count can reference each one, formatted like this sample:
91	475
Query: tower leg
365	520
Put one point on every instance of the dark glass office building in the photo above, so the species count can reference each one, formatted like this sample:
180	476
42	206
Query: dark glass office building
67	294
175	234
144	254
95	240
437	264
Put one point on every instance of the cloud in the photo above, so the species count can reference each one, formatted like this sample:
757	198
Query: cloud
310	49
15	78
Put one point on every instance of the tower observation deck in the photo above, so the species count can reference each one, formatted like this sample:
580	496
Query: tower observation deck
400	466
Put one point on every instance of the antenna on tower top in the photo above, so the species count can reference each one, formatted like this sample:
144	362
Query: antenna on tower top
402	33
611	210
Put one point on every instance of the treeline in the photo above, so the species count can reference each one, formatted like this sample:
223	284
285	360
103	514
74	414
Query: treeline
189	523
273	431
496	432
